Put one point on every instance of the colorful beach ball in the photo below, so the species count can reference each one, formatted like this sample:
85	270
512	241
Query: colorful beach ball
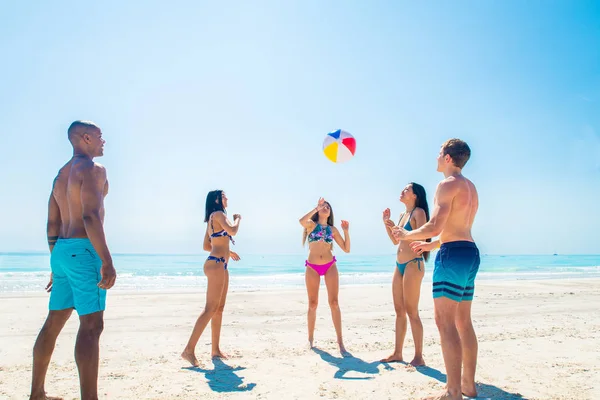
339	146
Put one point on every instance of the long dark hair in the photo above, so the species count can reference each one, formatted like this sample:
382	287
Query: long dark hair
421	202
214	202
315	219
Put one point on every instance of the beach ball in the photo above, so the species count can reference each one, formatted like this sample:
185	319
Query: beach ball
339	146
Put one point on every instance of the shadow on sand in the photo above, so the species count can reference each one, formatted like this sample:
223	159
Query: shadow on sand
222	377
484	391
350	363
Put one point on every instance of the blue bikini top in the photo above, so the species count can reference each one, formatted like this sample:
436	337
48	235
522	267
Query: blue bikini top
221	233
407	225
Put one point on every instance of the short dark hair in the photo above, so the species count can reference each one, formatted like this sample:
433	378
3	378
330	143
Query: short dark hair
458	150
76	126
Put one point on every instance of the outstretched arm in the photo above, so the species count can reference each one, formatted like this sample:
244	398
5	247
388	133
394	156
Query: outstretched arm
443	202
420	247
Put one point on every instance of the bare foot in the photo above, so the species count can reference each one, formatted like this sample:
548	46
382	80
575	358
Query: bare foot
469	390
219	354
343	350
417	362
190	357
44	397
311	343
393	358
445	395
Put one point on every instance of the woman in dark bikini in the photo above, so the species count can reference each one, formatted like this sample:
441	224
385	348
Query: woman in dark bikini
219	232
319	229
409	271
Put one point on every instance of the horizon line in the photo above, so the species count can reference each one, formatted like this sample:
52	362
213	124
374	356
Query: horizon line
41	252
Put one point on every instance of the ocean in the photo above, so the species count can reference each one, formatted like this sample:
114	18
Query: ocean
29	272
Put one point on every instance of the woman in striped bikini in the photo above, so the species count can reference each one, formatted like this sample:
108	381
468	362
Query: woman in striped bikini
409	272
219	233
319	229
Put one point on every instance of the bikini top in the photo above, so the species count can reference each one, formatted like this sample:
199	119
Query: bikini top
321	234
221	233
407	225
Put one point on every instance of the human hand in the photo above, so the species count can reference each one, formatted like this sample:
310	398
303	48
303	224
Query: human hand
345	225
237	216
320	204
386	214
398	232
420	247
109	275
234	256
49	285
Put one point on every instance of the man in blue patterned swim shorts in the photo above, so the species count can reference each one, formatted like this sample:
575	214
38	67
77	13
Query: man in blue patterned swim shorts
456	265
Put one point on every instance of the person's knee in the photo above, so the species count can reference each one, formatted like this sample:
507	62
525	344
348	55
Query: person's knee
92	324
56	319
464	323
312	304
211	308
443	320
220	308
400	310
333	303
413	314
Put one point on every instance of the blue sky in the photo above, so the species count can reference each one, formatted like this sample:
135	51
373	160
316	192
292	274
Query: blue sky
193	96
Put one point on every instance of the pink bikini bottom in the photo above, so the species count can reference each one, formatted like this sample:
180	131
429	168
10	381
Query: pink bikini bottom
321	269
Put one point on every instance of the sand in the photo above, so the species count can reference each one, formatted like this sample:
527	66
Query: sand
537	340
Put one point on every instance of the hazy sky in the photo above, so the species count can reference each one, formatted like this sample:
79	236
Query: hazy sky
193	96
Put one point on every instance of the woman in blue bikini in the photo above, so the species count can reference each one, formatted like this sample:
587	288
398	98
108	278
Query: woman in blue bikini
409	271
319	229
219	232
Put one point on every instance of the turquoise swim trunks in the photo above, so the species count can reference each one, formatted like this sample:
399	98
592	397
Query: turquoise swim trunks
76	273
456	266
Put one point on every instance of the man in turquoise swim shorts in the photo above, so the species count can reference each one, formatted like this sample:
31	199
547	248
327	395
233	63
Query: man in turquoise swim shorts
456	265
82	268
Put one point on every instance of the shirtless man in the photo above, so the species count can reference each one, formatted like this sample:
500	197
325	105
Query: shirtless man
456	266
82	268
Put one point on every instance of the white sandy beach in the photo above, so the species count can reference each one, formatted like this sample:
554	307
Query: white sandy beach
537	340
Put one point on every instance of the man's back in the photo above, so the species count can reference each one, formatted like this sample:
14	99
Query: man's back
67	190
464	206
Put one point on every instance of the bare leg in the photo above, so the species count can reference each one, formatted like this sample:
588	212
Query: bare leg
398	295
445	317
332	282
412	292
87	353
217	319
216	278
468	340
43	348
313	281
